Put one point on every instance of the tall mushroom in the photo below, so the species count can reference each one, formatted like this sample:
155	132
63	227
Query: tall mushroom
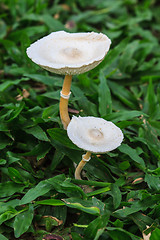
69	54
95	135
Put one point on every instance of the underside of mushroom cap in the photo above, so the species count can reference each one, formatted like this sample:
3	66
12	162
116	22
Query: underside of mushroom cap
94	134
69	53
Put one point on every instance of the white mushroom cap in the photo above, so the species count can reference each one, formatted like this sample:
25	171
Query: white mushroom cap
69	53
94	134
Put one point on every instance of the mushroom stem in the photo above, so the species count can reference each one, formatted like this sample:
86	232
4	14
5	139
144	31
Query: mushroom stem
80	166
63	106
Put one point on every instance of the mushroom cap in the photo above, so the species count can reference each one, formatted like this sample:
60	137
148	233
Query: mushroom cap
69	53
94	134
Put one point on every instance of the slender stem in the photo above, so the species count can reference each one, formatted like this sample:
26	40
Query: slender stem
63	106
81	165
79	169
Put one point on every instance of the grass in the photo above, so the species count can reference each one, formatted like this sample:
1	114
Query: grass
39	197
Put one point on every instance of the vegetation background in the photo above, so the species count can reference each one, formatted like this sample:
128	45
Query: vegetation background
39	197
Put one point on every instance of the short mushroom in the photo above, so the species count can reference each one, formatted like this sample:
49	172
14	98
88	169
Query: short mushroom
94	135
69	54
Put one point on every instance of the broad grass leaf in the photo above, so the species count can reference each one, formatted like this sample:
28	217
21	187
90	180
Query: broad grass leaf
155	171
88	107
4	141
124	234
11	204
27	166
3	29
116	194
25	42
126	124
47	80
124	95
132	153
68	188
6	112
123	213
151	105
57	158
30	31
141	220
91	183
105	102
2	161
42	188
2	237
37	132
155	234
52	95
82	205
32	112
155	125
81	16
98	191
138	205
85	81
15	70
12	50
17	110
60	136
98	170
113	54
154	76
74	235
32	17
74	155
124	61
53	24
10	188
51	202
23	221
145	34
98	203
123	115
12	157
3	127
10	213
6	84
99	233
50	111
93	228
146	66
124	165
152	181
118	235
144	12
151	137
15	175
40	150
60	212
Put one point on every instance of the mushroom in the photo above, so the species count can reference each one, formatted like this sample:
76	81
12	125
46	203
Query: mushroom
95	135
69	54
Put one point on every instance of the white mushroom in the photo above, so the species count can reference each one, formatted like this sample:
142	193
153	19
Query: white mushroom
94	134
69	53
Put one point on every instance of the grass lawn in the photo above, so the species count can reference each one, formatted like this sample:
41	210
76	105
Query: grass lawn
39	196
